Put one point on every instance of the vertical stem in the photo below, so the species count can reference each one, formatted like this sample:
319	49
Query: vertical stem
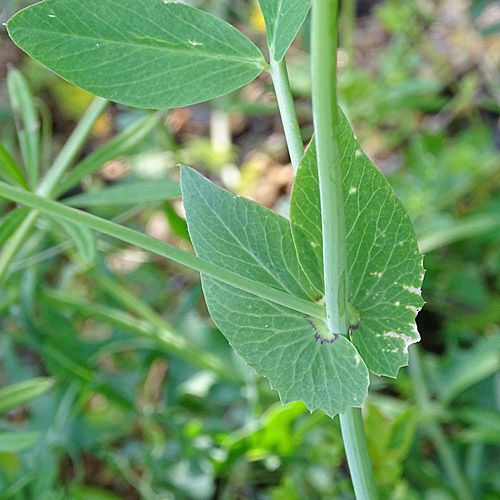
445	453
324	78
287	111
353	434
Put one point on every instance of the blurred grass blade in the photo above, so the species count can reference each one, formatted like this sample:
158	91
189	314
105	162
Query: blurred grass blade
132	193
15	442
23	392
118	146
478	363
84	239
11	222
27	123
9	170
457	230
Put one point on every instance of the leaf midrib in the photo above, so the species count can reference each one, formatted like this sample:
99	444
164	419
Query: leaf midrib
171	47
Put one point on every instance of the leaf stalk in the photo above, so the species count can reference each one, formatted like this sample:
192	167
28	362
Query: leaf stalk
163	249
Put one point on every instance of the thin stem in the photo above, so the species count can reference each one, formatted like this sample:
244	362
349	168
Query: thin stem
445	453
286	106
324	77
163	249
353	434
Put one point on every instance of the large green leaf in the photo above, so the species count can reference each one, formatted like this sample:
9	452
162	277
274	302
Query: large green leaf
283	20
298	355
385	269
145	53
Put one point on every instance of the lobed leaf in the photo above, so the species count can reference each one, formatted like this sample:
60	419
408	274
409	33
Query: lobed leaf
297	354
385	269
144	53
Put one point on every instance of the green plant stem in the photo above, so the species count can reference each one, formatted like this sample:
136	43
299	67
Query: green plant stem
353	434
49	183
445	453
163	249
324	78
286	106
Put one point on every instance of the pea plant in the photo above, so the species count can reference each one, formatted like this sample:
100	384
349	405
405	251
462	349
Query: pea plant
314	303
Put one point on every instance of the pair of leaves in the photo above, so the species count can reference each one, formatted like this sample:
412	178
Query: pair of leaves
299	356
150	53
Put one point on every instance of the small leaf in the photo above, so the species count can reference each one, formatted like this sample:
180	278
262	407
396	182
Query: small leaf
131	193
23	392
15	442
11	222
9	170
144	53
301	359
283	20
27	123
385	270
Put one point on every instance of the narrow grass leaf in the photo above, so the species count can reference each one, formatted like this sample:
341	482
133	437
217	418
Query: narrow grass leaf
385	269
283	20
11	222
120	145
84	239
27	123
296	353
9	170
144	53
131	193
23	392
16	442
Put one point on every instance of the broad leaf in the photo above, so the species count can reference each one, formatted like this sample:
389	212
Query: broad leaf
131	193
283	20
145	53
385	269
296	353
